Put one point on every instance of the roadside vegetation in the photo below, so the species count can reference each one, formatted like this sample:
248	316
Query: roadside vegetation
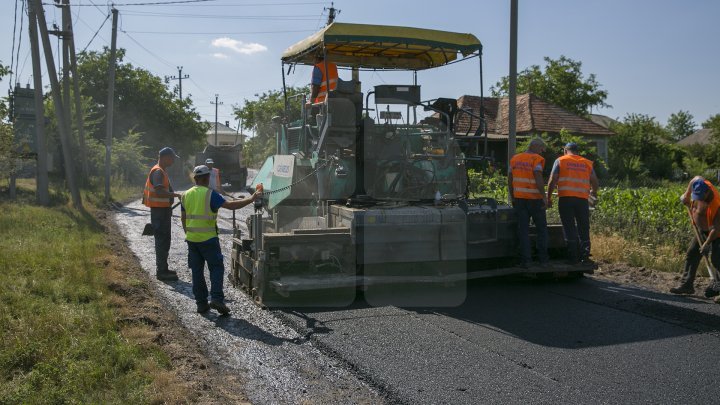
61	340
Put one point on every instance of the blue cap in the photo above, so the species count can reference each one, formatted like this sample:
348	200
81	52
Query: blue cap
571	146
699	188
168	151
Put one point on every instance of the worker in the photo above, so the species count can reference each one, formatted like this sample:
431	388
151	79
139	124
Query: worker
527	190
159	196
199	220
576	183
324	73
703	200
215	182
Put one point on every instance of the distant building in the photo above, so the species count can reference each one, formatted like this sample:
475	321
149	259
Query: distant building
534	117
699	137
602	120
226	136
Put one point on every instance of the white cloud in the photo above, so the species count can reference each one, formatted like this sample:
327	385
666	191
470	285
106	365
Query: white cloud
220	55
238	46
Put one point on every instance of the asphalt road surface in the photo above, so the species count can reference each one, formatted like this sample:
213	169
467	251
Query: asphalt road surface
511	341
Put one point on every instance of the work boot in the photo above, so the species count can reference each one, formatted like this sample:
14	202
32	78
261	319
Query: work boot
713	290
166	275
202	307
683	289
220	307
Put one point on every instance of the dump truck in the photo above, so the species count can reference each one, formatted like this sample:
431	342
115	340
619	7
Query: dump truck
360	195
228	159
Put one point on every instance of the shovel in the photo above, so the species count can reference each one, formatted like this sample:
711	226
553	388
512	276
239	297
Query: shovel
148	230
712	271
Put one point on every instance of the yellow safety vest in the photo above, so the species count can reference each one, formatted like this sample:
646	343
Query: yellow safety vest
200	221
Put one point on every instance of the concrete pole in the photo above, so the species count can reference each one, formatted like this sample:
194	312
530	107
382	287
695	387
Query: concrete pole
55	85
42	193
65	10
80	120
110	104
512	96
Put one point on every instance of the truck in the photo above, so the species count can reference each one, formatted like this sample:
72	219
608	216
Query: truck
228	159
359	196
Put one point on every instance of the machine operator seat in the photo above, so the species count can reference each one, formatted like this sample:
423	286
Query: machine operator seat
339	115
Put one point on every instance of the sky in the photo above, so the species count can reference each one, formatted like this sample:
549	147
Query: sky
653	57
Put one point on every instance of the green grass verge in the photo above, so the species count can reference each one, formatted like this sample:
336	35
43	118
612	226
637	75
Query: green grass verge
59	340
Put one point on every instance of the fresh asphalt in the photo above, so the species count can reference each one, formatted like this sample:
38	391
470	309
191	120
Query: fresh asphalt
510	341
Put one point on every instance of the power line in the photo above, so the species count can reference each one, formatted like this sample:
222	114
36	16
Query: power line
216	33
147	50
12	51
152	3
95	34
306	17
189	4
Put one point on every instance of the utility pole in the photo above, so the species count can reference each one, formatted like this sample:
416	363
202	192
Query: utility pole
216	116
110	103
513	80
332	13
179	78
55	85
80	120
42	194
63	34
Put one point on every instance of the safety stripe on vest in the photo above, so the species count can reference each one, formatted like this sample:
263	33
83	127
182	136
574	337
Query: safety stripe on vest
200	230
523	180
527	190
579	190
158	199
575	180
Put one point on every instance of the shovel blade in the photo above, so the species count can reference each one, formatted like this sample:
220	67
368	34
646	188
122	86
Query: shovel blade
148	230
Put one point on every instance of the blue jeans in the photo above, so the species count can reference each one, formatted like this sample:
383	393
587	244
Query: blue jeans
199	253
535	209
161	220
575	218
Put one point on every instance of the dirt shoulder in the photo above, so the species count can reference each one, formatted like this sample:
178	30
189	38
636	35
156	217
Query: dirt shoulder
143	319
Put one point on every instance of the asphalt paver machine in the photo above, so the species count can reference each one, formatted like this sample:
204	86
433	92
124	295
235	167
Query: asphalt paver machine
358	196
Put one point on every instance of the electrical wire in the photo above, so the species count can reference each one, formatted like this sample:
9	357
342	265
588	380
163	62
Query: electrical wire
215	33
96	33
150	3
20	36
12	51
302	17
164	61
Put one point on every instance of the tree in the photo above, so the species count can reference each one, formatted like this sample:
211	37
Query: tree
6	130
561	83
680	125
257	116
713	123
553	149
639	150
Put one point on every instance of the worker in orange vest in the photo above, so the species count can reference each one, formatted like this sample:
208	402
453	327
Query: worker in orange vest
527	189
576	182
215	182
325	73
704	200
159	196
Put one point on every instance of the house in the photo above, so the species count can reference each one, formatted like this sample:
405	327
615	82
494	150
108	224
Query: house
534	116
699	137
602	120
226	136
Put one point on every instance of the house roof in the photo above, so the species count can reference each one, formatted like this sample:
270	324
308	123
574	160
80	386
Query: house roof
699	137
602	120
222	129
534	115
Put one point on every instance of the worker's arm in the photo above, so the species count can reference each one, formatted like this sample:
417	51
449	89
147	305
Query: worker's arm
314	90
551	188
182	219
685	198
594	186
162	192
540	184
237	204
510	188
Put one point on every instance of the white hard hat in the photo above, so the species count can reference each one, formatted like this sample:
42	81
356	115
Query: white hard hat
209	161
201	170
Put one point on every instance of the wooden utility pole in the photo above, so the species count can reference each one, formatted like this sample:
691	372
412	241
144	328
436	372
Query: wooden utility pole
216	116
79	119
59	111
110	103
179	78
512	100
42	194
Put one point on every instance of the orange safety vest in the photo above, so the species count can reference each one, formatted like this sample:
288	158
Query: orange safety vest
574	176
331	78
714	205
150	197
523	173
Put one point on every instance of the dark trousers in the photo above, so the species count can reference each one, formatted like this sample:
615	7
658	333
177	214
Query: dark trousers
161	218
575	218
198	254
693	258
526	209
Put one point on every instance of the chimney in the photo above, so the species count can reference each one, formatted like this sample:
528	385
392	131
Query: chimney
227	124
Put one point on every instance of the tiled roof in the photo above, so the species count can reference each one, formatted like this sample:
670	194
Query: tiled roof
534	116
699	137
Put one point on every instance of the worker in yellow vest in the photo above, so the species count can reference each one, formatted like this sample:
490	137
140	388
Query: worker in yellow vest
159	196
527	190
703	200
576	183
199	220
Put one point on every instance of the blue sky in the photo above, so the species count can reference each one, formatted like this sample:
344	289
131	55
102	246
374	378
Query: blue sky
653	57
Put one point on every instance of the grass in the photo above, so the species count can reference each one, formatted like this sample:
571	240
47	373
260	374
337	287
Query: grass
59	338
619	249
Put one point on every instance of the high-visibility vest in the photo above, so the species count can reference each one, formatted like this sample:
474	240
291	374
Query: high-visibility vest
150	197
714	205
574	176
200	220
523	174
331	78
214	179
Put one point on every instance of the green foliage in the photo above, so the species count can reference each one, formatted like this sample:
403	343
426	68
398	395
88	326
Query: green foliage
142	104
644	214
127	159
713	123
554	145
680	125
488	183
640	151
59	341
562	83
257	115
6	130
